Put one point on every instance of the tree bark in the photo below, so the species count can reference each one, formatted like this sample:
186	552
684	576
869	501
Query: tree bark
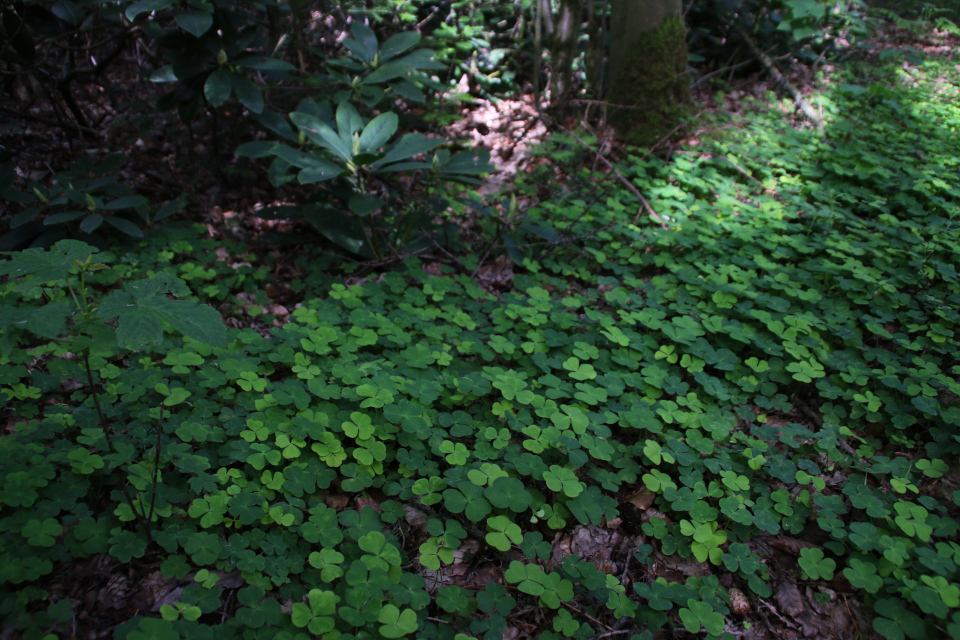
563	50
647	69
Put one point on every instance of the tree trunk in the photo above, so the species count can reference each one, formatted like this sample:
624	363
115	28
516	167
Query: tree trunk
545	11
563	50
649	86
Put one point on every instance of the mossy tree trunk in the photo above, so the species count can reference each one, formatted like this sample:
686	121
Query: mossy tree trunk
647	68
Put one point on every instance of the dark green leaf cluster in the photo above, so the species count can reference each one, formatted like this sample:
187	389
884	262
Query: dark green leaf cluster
80	202
352	154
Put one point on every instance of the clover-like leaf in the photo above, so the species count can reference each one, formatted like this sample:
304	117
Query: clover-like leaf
328	561
503	533
697	614
815	566
397	623
863	575
563	480
381	554
42	533
317	614
508	493
529	577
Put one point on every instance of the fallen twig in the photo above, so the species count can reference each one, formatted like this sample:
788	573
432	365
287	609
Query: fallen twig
781	81
636	192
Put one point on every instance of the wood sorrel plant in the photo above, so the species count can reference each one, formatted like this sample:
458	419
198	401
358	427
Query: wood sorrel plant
51	313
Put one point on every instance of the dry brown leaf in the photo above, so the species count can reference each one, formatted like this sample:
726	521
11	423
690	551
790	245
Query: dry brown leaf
366	501
687	567
414	517
590	542
116	594
650	514
497	275
641	499
457	573
150	591
337	502
789	599
790	545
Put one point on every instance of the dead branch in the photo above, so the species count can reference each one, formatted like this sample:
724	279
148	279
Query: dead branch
781	81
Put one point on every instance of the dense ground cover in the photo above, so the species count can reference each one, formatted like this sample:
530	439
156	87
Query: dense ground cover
741	424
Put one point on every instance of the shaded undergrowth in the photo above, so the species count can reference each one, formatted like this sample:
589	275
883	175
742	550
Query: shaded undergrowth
615	445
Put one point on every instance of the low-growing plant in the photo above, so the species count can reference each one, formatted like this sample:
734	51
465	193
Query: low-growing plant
778	363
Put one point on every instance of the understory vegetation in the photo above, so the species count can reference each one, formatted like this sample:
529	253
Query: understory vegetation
618	429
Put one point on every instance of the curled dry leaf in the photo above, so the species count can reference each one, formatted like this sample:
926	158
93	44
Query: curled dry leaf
642	499
511	633
337	502
607	566
229	579
497	275
687	567
486	573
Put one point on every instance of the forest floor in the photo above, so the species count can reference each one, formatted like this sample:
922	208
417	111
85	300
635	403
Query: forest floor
731	166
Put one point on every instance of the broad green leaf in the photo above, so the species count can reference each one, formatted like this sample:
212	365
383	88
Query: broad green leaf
126	202
364	204
378	131
67	11
276	123
321	134
305	160
349	122
264	63
406	147
124	225
469	162
91	223
397	44
421	59
247	92
217	88
142	306
363	42
47	266
146	6
387	72
256	149
196	23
